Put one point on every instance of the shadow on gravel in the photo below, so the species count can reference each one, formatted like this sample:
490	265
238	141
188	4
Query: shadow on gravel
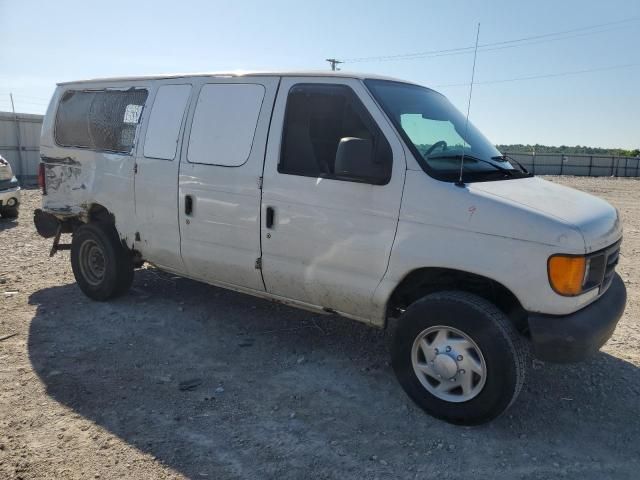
8	223
273	392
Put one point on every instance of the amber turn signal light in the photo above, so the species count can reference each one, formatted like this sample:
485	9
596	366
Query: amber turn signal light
566	274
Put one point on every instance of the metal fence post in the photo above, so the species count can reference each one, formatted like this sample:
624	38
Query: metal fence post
533	163
590	165
626	161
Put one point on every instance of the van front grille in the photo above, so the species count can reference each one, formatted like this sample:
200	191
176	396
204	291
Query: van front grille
611	257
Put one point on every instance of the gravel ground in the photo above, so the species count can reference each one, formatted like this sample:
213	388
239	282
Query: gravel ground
182	380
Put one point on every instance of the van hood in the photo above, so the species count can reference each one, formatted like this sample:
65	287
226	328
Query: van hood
596	219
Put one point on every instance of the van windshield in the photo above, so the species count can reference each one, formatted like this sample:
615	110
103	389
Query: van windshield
436	132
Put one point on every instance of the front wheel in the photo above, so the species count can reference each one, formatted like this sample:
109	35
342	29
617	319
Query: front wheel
459	357
100	262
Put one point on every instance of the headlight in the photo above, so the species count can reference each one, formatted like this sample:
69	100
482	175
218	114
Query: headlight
571	275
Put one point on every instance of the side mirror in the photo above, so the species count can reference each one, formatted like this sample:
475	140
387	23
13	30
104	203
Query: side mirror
354	159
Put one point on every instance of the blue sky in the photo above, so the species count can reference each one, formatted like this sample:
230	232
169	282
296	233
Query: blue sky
47	42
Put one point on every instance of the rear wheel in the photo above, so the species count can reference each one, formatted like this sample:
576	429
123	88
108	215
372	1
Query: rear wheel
9	212
459	357
101	265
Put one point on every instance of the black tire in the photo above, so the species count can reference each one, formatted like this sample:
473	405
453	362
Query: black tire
9	212
111	275
503	350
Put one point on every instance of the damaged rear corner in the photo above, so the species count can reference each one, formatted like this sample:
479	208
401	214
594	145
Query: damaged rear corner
66	183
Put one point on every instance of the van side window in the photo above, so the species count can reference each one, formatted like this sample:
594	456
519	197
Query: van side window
161	140
224	123
99	120
319	118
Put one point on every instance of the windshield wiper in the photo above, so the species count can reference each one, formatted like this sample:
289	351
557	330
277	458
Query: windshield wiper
507	171
504	157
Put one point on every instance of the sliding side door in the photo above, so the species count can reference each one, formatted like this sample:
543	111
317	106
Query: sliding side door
219	186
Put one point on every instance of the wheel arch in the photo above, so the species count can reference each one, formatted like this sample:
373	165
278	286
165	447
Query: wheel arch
425	280
99	213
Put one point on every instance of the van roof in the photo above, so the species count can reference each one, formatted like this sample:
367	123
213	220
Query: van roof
241	73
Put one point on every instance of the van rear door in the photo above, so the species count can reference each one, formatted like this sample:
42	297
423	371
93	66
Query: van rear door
328	216
219	183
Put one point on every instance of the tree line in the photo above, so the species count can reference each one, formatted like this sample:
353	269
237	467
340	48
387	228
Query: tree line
564	149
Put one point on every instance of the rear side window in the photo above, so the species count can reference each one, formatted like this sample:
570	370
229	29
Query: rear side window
317	118
165	120
99	120
224	123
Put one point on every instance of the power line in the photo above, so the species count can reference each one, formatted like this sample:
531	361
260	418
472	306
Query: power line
548	75
26	96
41	104
486	46
496	45
30	104
503	47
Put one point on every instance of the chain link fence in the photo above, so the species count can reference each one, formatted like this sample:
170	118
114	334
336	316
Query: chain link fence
579	165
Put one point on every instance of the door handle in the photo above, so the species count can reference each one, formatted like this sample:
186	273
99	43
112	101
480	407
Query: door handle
271	213
188	204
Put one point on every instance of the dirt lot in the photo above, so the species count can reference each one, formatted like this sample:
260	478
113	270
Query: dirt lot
90	390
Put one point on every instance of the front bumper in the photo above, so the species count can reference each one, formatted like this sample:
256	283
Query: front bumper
7	194
573	337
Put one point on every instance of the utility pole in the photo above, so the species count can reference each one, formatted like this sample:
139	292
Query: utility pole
15	119
334	62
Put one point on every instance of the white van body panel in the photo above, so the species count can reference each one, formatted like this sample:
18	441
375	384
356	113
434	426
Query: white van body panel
596	219
483	230
156	181
331	240
220	238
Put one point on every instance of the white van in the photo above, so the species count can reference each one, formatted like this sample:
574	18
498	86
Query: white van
337	193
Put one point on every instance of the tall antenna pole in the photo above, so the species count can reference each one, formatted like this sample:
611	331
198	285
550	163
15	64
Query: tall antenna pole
18	137
334	62
460	183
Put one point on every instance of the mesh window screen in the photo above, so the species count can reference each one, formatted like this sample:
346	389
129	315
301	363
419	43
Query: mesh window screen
99	120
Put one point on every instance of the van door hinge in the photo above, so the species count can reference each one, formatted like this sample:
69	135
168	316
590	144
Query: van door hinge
259	183
259	263
135	168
